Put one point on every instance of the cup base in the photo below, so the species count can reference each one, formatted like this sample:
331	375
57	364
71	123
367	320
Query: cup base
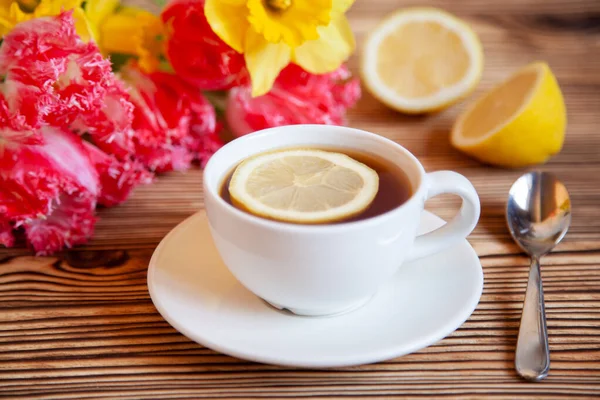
320	312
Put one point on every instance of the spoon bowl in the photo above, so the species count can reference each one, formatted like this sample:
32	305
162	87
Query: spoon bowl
538	214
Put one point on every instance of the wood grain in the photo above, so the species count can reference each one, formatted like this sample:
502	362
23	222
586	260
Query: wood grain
81	325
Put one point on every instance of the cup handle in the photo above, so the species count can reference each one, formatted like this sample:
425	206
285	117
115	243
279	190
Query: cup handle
460	226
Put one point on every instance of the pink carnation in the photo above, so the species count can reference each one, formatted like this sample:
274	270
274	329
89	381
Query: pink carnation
50	190
56	86
110	126
54	78
173	123
117	178
297	97
21	113
71	223
6	237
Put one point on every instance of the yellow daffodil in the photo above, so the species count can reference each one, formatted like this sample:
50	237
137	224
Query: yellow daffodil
272	33
133	31
14	12
96	12
26	5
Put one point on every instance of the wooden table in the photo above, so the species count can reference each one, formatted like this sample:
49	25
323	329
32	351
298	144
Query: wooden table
81	325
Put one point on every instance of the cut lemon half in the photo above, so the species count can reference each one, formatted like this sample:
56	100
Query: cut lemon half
421	59
303	186
518	123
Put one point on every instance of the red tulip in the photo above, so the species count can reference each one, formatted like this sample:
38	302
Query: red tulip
173	123
297	97
196	53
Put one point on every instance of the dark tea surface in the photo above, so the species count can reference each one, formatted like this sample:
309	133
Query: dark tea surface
394	185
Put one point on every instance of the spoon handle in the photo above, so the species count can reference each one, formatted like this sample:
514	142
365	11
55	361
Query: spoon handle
532	359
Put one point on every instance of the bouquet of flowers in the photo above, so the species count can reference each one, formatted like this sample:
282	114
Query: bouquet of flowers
97	97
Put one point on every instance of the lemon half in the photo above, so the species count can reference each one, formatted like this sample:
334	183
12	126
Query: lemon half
518	123
303	186
421	59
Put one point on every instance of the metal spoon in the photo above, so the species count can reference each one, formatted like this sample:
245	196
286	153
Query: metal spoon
538	214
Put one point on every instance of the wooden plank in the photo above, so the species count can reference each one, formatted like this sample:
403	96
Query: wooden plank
77	324
81	325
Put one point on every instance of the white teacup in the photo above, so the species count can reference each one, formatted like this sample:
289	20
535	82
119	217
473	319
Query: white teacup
328	269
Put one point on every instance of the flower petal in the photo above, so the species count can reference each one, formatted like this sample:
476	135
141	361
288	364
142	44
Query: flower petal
229	21
120	34
83	26
117	178
134	32
26	5
264	61
11	16
234	2
296	25
98	10
297	97
55	7
335	44
341	6
6	237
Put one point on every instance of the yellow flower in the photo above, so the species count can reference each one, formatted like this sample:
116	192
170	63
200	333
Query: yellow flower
96	12
14	12
26	5
133	31
272	33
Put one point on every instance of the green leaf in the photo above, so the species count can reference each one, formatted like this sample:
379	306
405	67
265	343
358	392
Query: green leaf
118	60
218	98
165	66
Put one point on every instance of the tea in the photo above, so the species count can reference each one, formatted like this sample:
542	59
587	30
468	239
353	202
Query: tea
394	185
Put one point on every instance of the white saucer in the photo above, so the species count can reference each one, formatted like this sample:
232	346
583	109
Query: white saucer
194	291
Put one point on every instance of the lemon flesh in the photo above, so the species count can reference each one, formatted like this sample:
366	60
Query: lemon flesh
518	123
421	60
303	186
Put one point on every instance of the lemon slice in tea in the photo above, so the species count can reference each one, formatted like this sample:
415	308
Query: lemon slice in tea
303	186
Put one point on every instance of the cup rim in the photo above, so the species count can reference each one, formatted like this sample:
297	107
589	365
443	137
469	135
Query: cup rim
313	229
